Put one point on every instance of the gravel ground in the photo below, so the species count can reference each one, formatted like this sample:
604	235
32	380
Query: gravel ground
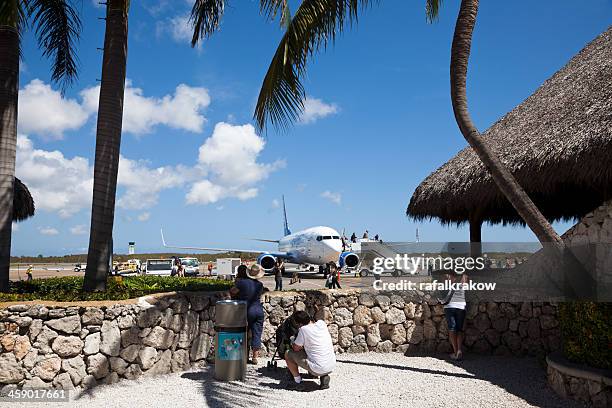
360	380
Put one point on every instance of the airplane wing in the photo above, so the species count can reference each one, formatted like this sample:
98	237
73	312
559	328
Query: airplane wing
283	255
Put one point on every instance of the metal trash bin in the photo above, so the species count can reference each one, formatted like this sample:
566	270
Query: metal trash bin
231	349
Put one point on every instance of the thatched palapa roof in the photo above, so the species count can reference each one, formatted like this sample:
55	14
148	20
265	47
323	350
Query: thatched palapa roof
557	143
23	204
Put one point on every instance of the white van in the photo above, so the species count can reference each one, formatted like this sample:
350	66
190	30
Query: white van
162	267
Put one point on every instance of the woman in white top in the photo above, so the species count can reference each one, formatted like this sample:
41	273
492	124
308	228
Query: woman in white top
454	309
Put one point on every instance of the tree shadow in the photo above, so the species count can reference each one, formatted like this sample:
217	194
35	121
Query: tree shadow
408	368
523	377
225	394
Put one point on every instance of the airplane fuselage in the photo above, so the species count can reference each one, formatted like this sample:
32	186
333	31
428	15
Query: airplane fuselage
316	245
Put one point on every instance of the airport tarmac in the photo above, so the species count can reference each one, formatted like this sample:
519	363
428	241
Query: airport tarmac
307	280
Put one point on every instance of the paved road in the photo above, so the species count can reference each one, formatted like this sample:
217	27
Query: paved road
360	380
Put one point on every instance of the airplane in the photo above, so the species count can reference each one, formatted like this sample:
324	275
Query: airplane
315	246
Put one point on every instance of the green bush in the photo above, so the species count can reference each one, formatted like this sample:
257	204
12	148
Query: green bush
586	328
67	289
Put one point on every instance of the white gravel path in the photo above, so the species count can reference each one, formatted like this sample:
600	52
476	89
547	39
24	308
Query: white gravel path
360	380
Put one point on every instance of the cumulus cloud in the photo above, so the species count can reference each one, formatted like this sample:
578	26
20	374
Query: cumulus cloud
48	231
80	229
177	27
57	183
43	111
230	159
142	114
335	198
144	183
275	203
144	216
315	109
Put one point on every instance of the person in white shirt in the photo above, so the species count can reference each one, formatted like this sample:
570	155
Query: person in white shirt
454	310
312	350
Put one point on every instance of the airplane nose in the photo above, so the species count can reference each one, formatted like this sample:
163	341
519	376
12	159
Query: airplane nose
334	246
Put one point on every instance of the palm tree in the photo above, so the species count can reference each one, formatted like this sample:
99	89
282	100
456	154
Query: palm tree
108	142
57	28
317	22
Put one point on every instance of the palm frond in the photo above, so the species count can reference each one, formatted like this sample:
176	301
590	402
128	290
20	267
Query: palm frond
58	28
205	18
315	25
432	9
270	9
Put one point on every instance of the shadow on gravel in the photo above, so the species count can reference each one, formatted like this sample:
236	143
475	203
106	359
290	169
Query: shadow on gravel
408	368
282	379
220	394
520	376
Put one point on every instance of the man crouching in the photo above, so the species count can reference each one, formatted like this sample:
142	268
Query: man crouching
312	350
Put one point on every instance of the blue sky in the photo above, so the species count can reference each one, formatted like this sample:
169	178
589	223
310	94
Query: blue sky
379	121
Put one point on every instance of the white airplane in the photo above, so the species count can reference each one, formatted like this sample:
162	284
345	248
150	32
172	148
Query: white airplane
315	246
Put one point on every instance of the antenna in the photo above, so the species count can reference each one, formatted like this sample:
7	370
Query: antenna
417	235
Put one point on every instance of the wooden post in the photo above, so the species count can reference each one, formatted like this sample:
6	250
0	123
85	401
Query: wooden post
475	237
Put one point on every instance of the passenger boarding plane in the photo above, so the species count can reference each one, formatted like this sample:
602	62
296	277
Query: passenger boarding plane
316	245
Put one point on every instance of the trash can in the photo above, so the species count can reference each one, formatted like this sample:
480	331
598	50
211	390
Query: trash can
231	349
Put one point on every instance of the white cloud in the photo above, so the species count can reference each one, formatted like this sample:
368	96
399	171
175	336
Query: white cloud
45	112
57	183
80	229
229	158
144	216
143	184
141	114
335	198
177	27
275	203
48	231
315	109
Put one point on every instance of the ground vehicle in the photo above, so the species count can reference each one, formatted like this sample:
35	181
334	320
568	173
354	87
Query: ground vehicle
129	267
161	267
227	266
80	267
191	265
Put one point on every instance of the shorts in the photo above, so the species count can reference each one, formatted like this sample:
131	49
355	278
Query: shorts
299	358
454	318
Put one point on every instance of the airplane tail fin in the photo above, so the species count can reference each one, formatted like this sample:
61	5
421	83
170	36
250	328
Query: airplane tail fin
286	225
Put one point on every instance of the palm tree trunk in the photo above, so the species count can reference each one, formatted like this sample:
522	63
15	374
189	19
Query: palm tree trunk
108	142
9	90
505	181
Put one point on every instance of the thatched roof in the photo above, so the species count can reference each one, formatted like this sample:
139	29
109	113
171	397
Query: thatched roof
23	204
558	143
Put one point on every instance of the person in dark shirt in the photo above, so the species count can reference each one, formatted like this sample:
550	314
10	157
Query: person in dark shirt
279	270
250	290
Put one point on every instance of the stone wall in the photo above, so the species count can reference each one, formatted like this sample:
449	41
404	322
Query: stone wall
591	386
410	322
82	346
79	347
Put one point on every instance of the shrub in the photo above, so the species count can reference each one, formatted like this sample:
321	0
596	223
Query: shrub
586	328
69	289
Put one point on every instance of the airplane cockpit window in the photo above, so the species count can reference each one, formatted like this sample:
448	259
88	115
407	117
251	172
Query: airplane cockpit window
327	237
336	237
319	238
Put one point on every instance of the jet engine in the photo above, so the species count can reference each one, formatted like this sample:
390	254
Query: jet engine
266	261
350	259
